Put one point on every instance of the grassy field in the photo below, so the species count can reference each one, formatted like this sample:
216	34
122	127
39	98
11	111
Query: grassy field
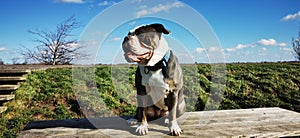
109	90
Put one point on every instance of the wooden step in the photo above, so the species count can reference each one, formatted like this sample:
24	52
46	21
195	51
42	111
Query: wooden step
12	78
6	97
21	71
3	109
9	87
14	72
2	92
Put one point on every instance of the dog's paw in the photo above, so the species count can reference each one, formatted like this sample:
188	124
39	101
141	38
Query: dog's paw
142	129
132	121
174	128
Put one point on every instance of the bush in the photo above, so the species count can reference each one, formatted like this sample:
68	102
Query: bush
45	95
48	95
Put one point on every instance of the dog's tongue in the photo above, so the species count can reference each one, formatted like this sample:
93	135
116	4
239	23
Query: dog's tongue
139	50
131	57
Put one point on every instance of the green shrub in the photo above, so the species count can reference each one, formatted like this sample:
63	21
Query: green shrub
109	90
45	95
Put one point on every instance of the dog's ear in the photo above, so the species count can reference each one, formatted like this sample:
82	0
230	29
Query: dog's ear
160	28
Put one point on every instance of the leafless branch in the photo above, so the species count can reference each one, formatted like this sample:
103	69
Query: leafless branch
55	47
296	47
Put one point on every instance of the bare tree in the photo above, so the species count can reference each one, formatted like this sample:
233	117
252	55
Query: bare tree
296	47
1	61
55	47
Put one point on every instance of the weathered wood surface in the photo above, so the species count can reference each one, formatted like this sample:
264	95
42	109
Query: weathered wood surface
12	78
9	79
9	87
6	97
260	122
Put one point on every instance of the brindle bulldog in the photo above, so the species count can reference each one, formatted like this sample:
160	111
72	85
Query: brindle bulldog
158	78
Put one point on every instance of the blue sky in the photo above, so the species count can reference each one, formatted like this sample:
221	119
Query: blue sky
247	30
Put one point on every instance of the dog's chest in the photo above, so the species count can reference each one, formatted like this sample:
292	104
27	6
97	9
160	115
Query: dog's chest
153	78
155	85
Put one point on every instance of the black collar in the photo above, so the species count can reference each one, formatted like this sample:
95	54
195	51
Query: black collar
162	64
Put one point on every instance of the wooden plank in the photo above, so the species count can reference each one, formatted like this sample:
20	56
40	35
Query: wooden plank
21	71
260	122
248	122
8	87
12	78
6	97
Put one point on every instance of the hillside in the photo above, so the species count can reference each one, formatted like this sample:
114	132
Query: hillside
48	94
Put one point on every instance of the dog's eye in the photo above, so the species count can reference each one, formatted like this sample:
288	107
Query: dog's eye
125	39
141	36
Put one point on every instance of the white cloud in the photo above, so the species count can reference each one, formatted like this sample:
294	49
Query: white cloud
214	49
158	8
2	49
262	52
239	46
286	49
142	13
200	50
105	34
261	42
138	1
106	3
264	49
116	39
267	42
143	6
282	44
132	23
289	17
270	42
74	45
230	49
209	49
71	1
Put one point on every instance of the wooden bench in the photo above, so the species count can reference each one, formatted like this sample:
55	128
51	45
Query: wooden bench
258	122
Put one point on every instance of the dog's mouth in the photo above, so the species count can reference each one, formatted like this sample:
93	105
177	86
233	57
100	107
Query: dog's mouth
136	50
132	57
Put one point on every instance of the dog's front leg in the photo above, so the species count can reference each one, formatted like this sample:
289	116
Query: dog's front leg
142	99
142	129
172	106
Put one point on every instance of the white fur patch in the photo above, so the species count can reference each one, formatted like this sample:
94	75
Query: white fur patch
142	129
133	30
174	128
154	80
155	85
136	48
159	52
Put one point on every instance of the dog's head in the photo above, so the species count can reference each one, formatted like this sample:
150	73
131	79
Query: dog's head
140	43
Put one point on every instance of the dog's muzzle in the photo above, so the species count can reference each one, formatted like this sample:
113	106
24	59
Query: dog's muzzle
134	50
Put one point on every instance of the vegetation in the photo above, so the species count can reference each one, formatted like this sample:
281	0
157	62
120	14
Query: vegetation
47	95
262	85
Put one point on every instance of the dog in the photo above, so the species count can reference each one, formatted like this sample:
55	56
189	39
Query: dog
158	78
